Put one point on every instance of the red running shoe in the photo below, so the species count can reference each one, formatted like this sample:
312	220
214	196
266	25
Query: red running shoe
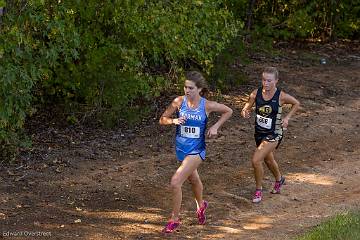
201	213
278	185
257	196
171	226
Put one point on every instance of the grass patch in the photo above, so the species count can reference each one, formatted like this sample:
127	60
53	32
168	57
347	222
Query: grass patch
341	227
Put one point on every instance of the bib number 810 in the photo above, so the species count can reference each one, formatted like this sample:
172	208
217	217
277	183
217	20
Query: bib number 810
190	132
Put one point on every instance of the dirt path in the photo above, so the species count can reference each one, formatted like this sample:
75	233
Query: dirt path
81	184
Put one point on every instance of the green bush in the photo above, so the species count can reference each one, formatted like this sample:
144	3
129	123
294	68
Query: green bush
300	20
107	55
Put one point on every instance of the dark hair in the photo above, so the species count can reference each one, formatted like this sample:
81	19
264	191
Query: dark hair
272	70
198	79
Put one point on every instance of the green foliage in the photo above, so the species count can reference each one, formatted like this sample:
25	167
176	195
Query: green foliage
347	21
341	227
227	72
297	19
107	55
168	33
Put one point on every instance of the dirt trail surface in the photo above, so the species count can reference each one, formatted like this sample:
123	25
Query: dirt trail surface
81	183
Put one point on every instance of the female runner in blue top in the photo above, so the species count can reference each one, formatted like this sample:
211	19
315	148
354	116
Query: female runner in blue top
192	111
269	126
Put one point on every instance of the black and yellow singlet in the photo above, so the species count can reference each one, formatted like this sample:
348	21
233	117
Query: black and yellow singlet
268	114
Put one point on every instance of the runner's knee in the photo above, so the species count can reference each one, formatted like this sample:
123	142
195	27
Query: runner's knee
176	182
194	180
269	160
256	161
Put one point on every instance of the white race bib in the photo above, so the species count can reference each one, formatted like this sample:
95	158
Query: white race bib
190	132
263	121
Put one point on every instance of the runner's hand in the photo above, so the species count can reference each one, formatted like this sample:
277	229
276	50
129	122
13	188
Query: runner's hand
212	132
245	113
179	121
285	122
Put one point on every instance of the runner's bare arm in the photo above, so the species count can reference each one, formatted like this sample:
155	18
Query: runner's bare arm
225	111
245	112
167	117
288	99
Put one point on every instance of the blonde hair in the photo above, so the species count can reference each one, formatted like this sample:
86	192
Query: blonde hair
272	70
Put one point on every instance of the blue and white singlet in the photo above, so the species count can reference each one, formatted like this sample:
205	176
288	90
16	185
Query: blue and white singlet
190	136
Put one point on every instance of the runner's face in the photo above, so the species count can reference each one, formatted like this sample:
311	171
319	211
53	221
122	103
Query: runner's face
268	81
190	89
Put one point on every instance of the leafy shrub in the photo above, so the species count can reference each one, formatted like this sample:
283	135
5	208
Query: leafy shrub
108	55
299	20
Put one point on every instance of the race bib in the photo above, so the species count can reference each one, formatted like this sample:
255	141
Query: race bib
190	132
263	122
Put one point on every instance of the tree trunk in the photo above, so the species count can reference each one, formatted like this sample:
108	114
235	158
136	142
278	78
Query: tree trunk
249	14
335	16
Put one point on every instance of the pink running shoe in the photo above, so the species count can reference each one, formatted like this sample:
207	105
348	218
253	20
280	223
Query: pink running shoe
201	213
257	196
277	185
171	226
